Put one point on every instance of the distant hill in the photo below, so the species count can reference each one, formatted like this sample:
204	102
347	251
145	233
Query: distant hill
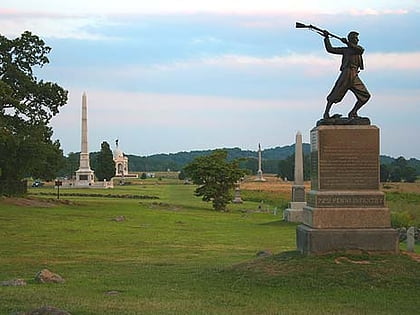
176	161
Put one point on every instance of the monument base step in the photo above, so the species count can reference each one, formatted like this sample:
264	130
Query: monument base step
312	241
347	218
293	215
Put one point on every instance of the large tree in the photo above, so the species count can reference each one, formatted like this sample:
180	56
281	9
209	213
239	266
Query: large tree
216	177
105	165
27	105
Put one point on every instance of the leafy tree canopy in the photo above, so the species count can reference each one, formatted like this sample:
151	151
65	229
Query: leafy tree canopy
215	176
398	170
27	105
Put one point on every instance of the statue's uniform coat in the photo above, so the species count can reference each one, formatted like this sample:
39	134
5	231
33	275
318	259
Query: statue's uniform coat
351	62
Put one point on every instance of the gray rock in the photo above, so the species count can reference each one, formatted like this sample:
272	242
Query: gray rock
47	310
264	253
46	276
13	283
120	218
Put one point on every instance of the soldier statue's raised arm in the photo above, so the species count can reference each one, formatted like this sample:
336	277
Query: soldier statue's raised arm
351	64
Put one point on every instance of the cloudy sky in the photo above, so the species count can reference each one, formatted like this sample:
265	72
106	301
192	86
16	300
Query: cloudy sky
179	75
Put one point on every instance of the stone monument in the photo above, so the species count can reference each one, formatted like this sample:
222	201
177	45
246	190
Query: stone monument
410	239
84	175
345	208
237	196
260	177
295	211
121	163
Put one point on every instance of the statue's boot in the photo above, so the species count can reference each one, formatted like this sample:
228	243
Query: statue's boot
327	110
353	112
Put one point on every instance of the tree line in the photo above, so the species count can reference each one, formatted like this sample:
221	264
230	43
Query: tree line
391	169
400	169
246	160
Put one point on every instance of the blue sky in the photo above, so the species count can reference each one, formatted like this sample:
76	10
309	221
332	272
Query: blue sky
167	76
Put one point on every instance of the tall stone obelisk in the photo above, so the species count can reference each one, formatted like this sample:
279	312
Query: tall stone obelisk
84	175
295	211
260	177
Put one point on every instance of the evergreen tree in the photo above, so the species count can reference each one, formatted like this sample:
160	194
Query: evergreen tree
181	175
384	173
105	168
409	174
287	168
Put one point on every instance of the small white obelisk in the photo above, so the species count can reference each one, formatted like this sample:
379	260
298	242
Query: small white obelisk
298	165
260	177
84	175
295	211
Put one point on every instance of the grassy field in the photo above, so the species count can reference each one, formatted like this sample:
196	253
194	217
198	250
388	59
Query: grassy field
175	255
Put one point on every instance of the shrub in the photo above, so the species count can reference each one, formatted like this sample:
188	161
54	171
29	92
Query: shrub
401	219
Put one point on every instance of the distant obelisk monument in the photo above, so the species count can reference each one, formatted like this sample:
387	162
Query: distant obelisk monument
260	177
84	175
295	211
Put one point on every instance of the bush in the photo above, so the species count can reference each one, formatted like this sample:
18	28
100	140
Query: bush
13	187
401	219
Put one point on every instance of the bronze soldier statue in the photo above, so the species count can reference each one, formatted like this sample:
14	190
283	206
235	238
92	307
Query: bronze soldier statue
351	64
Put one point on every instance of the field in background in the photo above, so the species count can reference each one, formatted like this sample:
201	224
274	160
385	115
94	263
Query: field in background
174	254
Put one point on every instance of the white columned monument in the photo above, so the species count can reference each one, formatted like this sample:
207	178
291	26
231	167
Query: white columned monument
295	211
85	177
121	163
260	177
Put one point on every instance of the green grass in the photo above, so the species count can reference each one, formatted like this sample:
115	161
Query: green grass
267	197
176	255
405	208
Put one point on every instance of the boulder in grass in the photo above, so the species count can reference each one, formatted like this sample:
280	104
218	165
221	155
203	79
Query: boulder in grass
46	276
264	253
13	283
47	310
120	218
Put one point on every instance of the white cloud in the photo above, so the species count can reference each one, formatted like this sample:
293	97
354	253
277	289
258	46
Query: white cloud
53	25
218	6
153	123
205	40
370	11
83	19
312	64
163	123
409	61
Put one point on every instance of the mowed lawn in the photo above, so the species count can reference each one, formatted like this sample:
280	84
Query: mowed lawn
175	255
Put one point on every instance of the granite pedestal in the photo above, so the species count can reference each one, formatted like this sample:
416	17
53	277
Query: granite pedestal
345	208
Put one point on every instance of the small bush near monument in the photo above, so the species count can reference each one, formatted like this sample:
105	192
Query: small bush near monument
216	178
13	187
